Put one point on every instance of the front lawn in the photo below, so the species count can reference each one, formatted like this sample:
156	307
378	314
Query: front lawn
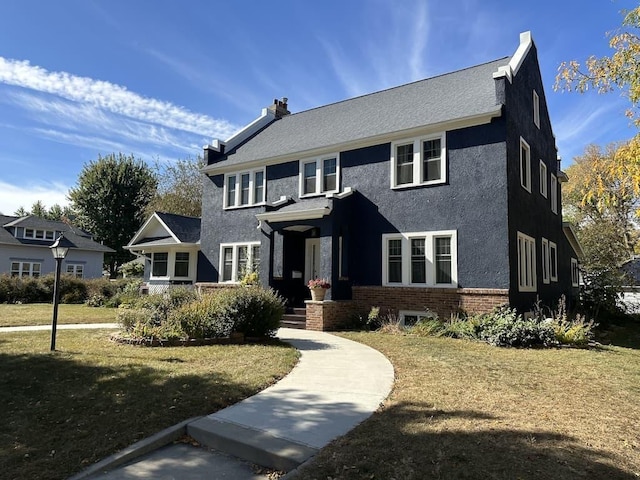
463	409
12	315
65	410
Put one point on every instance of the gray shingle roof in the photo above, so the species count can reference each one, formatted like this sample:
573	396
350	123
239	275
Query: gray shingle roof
187	229
78	238
444	98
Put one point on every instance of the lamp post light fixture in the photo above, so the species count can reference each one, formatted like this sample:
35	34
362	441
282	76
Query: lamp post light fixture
59	249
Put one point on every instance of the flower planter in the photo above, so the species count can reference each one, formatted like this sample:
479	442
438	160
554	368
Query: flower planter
317	294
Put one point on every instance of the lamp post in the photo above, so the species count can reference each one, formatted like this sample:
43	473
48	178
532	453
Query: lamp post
59	251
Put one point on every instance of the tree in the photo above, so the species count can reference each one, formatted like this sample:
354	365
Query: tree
179	188
38	209
110	199
621	70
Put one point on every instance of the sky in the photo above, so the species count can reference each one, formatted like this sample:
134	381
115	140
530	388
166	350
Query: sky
160	79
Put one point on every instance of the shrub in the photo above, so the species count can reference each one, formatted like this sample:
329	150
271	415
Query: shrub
461	327
505	328
201	319
253	310
428	327
134	268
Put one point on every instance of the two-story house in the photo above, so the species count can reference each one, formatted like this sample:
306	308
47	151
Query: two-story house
442	194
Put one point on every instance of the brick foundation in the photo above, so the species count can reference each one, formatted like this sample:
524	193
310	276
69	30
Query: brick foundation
328	314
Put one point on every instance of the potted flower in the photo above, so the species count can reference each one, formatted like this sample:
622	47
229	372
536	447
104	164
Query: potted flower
318	287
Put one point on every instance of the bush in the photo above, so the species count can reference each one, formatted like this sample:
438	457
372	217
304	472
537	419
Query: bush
201	319
253	310
505	328
428	327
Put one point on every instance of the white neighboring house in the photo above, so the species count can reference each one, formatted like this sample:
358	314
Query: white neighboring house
25	242
630	296
170	245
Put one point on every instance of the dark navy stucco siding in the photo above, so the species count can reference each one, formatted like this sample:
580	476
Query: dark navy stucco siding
530	213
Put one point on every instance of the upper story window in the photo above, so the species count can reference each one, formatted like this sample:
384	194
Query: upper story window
420	259
536	109
238	259
525	165
319	175
543	179
554	193
418	161
526	263
545	260
244	189
38	234
553	262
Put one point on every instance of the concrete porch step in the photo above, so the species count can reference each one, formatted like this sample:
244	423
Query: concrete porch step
294	320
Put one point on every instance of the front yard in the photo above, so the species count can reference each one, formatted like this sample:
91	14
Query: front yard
12	315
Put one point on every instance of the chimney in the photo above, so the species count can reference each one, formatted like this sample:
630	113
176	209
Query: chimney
279	107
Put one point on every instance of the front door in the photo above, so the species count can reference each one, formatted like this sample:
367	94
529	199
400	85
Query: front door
312	259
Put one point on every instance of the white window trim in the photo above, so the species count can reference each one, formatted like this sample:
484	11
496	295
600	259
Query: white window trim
429	237
51	234
75	267
554	194
238	193
543	179
575	273
536	109
546	263
319	161
29	270
417	160
530	284
525	183
234	259
153	261
553	261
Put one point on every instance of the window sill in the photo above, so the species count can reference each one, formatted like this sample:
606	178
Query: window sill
406	186
242	207
320	194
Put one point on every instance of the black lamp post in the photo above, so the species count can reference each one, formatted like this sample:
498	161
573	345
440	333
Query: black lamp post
59	251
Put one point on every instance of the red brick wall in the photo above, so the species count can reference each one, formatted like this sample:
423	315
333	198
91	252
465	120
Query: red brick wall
328	315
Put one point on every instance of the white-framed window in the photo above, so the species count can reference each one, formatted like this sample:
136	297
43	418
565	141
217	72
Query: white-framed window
553	262
526	263
545	261
243	189
419	161
319	175
536	109
575	273
238	259
25	269
159	264
525	165
181	264
420	259
543	179
38	234
409	318
554	193
75	270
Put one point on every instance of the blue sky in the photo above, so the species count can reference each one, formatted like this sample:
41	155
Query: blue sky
159	79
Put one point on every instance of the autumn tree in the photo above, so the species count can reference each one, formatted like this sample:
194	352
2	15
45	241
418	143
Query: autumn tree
110	201
618	71
179	188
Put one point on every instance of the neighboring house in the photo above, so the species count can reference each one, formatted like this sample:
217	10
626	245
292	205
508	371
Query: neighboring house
630	297
439	195
25	242
170	245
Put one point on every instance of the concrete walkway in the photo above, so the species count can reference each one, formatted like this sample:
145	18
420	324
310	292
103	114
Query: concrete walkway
64	326
336	385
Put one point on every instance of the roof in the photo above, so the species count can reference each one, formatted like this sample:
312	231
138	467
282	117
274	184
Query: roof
631	268
167	229
458	95
79	239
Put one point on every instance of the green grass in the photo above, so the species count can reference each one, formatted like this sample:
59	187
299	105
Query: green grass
65	410
463	409
41	314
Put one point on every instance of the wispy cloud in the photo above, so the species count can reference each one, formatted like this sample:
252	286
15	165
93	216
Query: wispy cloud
13	197
110	97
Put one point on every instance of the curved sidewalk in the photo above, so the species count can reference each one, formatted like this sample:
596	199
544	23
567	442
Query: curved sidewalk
336	385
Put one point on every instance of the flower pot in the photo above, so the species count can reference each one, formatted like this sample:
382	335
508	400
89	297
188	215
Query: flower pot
317	294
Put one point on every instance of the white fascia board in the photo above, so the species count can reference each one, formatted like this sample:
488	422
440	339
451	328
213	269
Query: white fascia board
141	230
463	122
164	225
570	233
310	214
511	69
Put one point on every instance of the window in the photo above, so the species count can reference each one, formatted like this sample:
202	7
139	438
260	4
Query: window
181	267
545	260
553	262
575	273
75	270
525	165
238	259
554	194
244	189
420	259
419	161
38	234
25	269
159	264
320	175
536	109
543	179
410	318
526	263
